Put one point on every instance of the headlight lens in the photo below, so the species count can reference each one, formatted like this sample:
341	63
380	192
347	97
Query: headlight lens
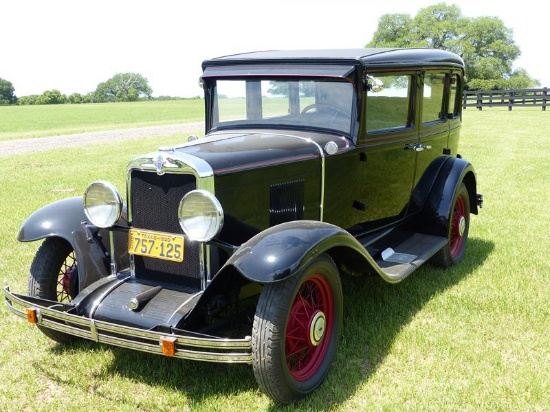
200	215
102	204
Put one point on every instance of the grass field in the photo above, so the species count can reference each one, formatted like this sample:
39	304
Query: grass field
20	122
473	338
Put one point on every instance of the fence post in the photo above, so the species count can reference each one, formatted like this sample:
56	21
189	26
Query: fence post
479	100
511	101
544	98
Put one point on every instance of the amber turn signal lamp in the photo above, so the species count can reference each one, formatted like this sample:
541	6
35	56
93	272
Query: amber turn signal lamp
32	315
168	345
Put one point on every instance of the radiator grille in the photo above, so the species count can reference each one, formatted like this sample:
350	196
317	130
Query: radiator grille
154	202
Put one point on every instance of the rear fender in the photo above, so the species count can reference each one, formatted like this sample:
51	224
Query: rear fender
278	252
66	219
436	212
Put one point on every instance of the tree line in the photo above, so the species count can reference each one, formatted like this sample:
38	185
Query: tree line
485	43
122	87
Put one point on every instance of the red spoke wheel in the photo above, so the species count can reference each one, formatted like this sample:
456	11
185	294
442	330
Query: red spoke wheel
307	327
54	276
296	331
458	227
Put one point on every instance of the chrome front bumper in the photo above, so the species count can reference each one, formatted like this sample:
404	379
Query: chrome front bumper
52	315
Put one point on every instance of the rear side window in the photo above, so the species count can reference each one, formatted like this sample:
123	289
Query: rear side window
388	103
434	91
454	101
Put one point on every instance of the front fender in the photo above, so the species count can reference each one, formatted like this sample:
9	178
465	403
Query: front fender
61	218
278	252
66	219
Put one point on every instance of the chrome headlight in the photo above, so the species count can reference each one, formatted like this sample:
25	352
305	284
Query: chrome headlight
200	215
102	204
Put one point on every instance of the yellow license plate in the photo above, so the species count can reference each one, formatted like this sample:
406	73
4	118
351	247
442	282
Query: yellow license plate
166	246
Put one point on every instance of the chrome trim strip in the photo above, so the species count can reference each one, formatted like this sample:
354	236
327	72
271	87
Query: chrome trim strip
187	347
93	331
208	249
112	251
322	205
176	162
204	265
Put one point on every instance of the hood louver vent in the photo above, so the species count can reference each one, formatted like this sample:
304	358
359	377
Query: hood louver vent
286	202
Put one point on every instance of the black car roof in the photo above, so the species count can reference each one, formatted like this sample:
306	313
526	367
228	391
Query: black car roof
365	57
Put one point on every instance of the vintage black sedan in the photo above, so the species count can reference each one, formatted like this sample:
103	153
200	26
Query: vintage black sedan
315	165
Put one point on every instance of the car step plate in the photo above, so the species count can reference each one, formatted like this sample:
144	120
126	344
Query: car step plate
389	255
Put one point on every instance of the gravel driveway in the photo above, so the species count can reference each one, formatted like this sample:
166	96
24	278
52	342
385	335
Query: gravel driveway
14	147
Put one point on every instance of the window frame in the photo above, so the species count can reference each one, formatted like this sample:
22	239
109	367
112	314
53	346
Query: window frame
410	104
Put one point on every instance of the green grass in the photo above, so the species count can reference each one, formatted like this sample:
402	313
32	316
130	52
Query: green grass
476	337
19	122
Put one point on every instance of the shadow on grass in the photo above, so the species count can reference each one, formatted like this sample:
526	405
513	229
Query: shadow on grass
375	312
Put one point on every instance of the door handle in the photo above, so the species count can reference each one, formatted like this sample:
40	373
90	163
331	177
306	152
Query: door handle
417	147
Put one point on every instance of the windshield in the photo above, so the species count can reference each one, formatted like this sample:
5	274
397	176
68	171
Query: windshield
284	103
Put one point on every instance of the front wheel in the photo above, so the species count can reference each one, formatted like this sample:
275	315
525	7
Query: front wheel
54	276
457	230
296	331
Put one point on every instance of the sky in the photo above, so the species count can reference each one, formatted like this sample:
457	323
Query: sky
73	45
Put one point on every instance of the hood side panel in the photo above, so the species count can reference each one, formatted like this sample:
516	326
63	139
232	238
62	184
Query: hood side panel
250	200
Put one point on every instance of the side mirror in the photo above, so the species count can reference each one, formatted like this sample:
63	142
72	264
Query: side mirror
373	84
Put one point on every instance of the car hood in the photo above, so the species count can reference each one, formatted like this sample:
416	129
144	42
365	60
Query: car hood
227	152
232	151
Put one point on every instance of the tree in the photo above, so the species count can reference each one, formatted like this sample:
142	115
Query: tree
392	31
51	97
7	93
123	87
280	88
75	98
27	100
485	43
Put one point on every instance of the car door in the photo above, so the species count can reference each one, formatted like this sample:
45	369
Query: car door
434	122
388	170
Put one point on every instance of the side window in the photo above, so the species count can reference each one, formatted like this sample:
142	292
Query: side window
454	104
388	105
434	90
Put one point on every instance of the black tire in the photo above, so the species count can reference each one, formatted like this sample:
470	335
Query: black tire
457	231
302	315
54	276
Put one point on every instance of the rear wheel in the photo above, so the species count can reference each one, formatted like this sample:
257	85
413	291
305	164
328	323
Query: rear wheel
54	276
457	231
296	331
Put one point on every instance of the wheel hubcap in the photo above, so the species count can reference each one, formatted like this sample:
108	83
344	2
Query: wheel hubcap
461	226
317	328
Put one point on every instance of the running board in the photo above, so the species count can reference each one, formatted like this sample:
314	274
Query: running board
399	262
